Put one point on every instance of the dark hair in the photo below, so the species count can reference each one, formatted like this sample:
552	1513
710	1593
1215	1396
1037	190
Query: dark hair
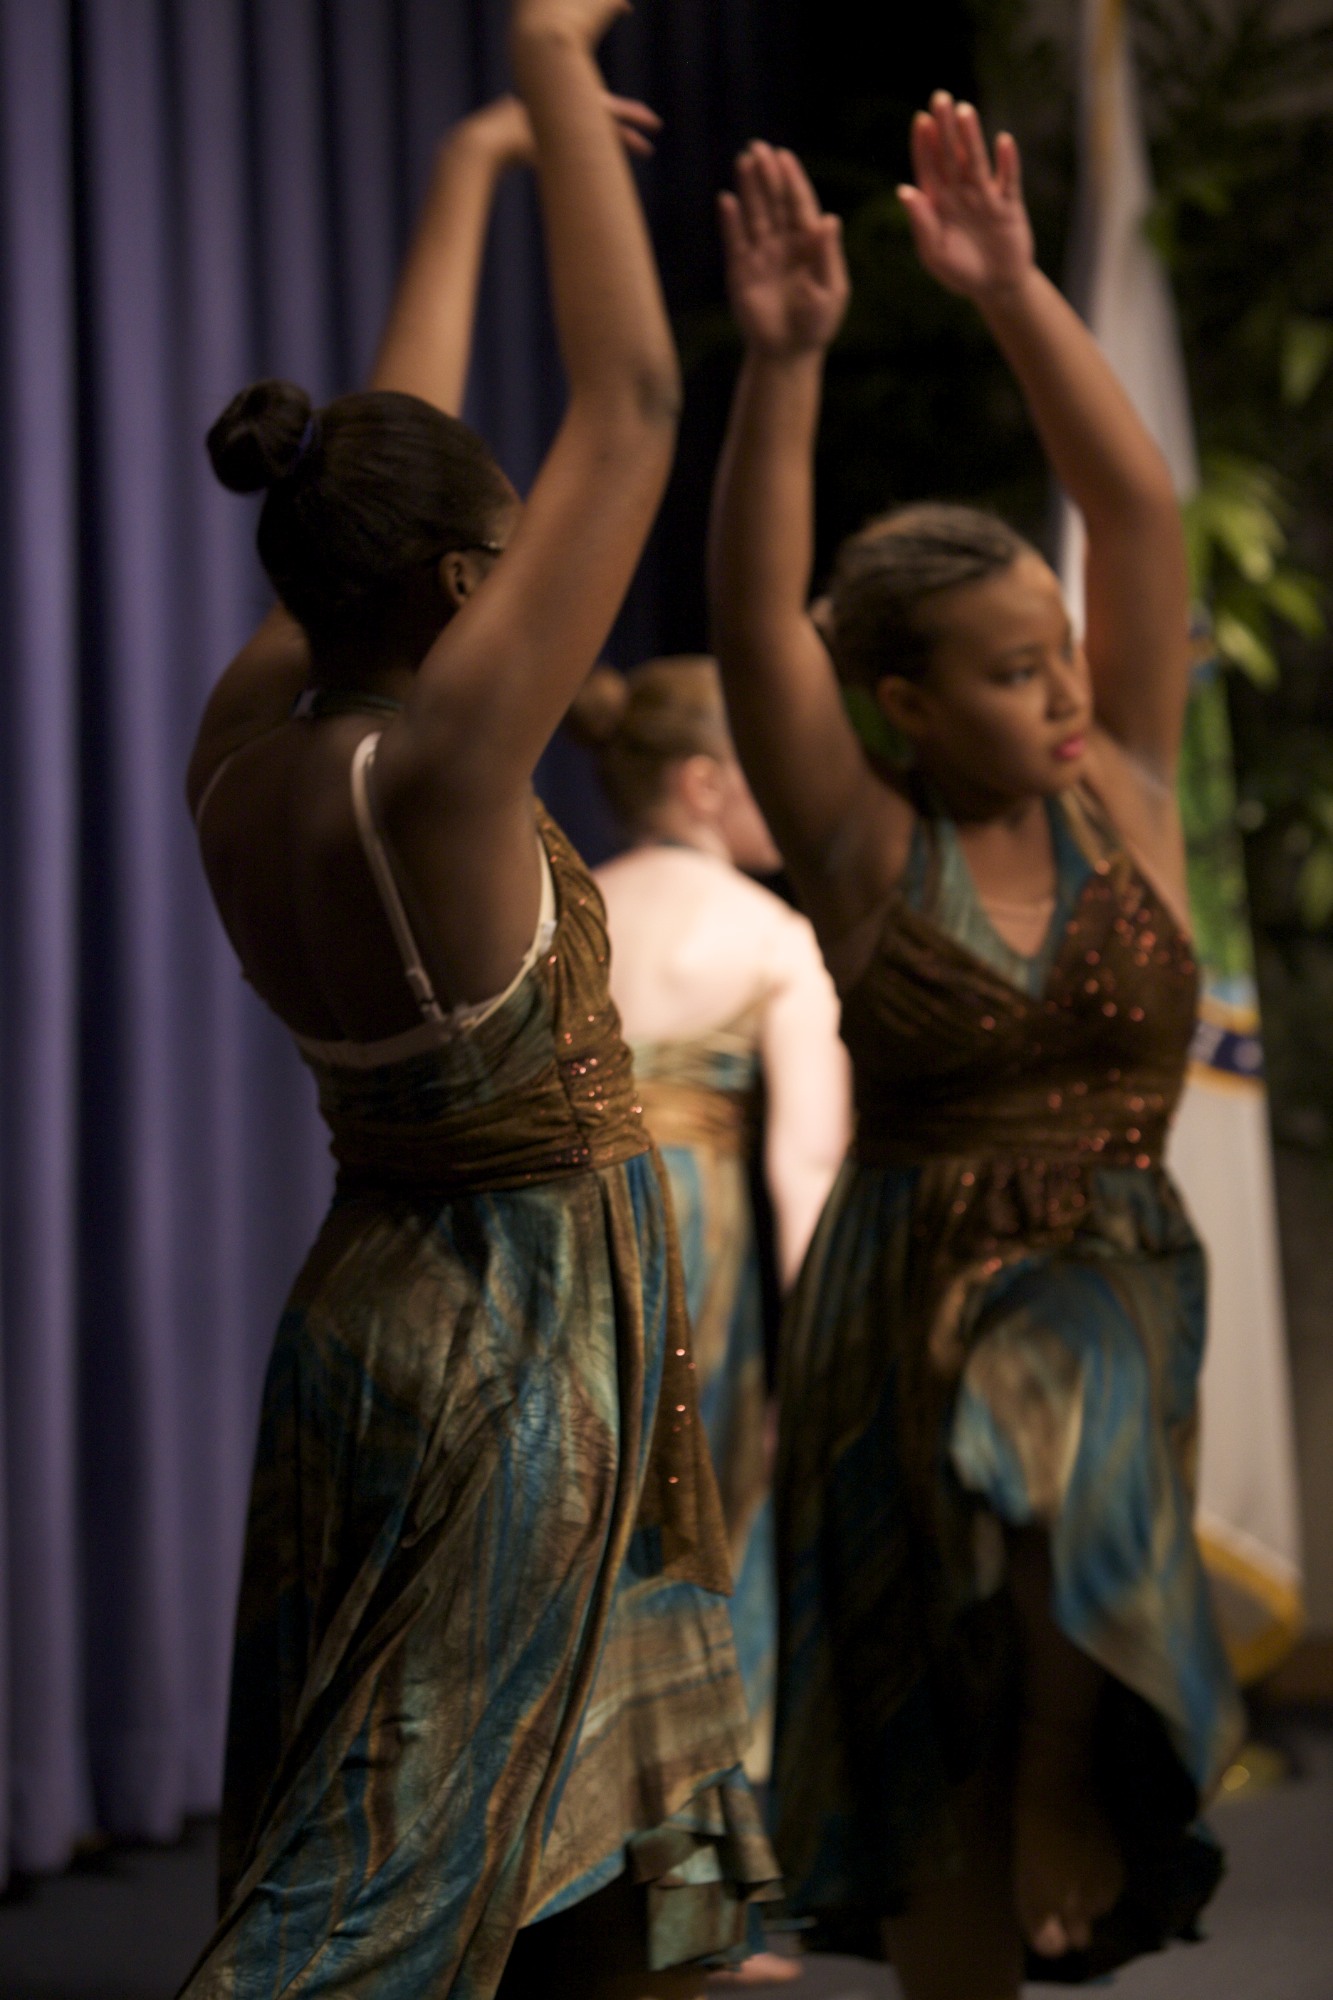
887	571
361	495
640	723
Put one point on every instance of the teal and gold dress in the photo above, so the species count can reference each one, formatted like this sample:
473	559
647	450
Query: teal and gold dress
1000	1321
483	1662
699	1099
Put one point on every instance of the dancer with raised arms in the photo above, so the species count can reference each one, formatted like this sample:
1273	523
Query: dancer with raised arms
1001	1695
486	1719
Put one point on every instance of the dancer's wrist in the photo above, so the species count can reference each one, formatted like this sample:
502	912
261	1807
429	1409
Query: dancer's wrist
1010	297
786	358
487	140
538	26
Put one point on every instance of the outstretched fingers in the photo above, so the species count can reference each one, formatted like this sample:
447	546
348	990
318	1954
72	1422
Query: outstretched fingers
949	153
830	265
1008	167
772	179
966	214
760	204
952	151
800	200
927	165
974	158
775	198
922	219
785	270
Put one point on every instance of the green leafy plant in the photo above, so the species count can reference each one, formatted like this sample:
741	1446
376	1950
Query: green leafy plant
1237	533
1307	349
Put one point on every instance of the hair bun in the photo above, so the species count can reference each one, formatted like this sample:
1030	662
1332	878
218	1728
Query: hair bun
598	709
261	436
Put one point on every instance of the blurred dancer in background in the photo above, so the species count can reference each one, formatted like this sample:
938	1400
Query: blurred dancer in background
725	1002
1001	1694
484	1673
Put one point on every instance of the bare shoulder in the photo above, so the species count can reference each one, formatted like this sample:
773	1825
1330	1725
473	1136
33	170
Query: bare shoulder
282	800
251	699
640	875
669	882
743	920
792	947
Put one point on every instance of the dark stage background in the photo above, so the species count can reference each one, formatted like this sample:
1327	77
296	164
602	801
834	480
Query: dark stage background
193	193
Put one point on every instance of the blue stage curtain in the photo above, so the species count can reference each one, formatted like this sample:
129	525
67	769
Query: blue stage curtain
192	193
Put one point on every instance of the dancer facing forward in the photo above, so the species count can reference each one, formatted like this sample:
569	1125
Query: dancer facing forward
1001	1696
722	994
484	1672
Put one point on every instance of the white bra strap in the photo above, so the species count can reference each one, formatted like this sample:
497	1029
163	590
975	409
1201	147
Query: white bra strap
377	856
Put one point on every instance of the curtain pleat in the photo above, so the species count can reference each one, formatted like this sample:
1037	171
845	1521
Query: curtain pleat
192	193
363	176
223	1291
43	1731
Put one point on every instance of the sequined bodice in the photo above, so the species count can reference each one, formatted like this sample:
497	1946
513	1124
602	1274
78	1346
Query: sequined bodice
953	1058
541	1088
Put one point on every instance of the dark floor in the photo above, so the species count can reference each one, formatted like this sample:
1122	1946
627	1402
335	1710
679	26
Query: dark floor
126	1925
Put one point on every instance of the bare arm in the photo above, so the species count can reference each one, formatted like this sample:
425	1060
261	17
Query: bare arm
425	350
972	233
427	343
788	287
493	688
808	1082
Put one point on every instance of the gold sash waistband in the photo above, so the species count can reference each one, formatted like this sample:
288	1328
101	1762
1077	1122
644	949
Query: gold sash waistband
685	1114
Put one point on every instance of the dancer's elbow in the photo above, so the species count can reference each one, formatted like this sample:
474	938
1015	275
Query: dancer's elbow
644	395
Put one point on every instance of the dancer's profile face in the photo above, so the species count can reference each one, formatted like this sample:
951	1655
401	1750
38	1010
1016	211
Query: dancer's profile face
1005	705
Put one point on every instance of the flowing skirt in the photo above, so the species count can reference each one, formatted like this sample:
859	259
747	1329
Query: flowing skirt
930	1396
715	1222
467	1689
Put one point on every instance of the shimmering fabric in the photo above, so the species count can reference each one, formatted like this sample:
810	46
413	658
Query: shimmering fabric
698	1100
1000	1321
483	1658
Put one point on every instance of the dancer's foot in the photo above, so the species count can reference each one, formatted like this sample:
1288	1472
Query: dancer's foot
762	1968
1067	1866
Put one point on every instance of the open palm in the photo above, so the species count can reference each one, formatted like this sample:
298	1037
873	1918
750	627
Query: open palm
786	275
968	220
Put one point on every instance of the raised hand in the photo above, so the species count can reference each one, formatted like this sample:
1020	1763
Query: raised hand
504	129
968	220
786	276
